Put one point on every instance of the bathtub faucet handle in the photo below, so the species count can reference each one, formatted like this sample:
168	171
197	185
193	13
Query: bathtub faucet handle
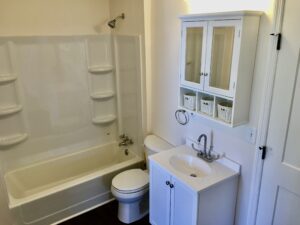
123	136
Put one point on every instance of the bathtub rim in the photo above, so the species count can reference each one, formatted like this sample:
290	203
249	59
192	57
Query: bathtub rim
16	202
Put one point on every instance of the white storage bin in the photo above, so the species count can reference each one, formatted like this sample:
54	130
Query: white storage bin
225	111
189	101
207	105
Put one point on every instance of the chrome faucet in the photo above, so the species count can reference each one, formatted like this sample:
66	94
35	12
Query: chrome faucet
205	155
125	140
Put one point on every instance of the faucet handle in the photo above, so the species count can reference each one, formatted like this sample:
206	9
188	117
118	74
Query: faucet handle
123	137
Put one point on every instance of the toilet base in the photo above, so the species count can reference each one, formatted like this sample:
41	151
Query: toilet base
133	211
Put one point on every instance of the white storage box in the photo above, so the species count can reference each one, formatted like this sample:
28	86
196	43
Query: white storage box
189	101
225	111
207	105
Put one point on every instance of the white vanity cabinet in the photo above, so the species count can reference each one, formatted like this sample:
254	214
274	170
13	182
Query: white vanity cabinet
217	60
189	191
171	201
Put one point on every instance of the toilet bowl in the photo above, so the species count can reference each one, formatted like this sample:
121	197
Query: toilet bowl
131	187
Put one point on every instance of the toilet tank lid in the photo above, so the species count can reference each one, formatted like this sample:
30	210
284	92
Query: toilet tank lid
156	144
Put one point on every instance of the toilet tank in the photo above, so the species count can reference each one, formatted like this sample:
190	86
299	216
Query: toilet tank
154	144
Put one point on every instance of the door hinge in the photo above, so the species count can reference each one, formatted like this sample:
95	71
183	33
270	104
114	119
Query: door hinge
278	35
264	152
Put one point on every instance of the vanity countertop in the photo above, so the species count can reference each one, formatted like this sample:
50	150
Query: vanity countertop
220	170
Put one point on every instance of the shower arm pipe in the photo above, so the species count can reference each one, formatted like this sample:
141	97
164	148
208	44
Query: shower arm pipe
122	16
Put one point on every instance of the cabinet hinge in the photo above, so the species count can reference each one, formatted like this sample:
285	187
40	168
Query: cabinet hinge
239	33
278	45
233	86
264	152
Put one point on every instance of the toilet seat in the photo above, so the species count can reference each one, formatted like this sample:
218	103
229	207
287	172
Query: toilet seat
131	181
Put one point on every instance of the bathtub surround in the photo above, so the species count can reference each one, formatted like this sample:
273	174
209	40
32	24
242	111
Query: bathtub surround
101	72
54	71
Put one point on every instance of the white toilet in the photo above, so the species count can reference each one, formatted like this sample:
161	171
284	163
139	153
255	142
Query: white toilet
131	187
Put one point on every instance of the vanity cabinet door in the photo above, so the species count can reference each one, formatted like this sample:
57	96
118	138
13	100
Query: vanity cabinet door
193	54
160	195
184	204
222	57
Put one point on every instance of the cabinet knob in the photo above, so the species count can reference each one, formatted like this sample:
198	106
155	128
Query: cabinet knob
171	185
167	182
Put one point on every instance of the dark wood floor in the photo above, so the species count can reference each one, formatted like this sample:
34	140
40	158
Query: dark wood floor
104	215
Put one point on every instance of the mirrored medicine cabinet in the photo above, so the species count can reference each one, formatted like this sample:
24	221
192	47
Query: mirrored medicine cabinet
217	61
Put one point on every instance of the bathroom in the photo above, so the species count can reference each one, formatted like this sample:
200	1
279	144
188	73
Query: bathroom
78	84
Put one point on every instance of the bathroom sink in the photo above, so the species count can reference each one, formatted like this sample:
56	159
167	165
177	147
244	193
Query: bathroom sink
190	165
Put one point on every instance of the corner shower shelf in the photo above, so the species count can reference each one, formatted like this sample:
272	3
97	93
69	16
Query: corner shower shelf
13	140
102	95
7	78
104	119
100	69
8	110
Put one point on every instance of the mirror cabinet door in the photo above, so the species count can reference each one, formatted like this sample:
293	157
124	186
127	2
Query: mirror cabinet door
193	48
221	57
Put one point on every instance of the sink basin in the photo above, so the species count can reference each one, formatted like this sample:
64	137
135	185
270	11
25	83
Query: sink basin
190	165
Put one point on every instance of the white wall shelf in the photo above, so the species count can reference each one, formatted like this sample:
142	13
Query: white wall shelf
7	78
13	140
104	119
199	95
102	95
100	69
8	110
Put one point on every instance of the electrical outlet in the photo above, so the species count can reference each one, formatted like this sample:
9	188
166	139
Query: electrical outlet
251	135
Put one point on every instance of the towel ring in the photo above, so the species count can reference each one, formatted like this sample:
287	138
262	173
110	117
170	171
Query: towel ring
182	116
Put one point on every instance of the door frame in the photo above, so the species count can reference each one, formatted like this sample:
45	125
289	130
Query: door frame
263	125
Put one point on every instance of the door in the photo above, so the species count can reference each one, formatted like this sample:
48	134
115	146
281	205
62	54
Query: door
159	196
193	53
279	201
222	57
183	204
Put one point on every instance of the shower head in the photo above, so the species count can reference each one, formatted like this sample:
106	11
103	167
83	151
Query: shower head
112	23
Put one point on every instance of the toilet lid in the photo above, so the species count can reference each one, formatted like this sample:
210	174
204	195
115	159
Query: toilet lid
131	180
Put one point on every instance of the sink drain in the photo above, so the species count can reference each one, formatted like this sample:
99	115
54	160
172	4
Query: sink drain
193	175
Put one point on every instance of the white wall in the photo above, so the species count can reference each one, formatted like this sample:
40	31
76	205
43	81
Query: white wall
52	17
165	46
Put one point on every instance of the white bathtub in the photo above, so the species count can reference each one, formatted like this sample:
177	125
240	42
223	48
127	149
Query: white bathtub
52	190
